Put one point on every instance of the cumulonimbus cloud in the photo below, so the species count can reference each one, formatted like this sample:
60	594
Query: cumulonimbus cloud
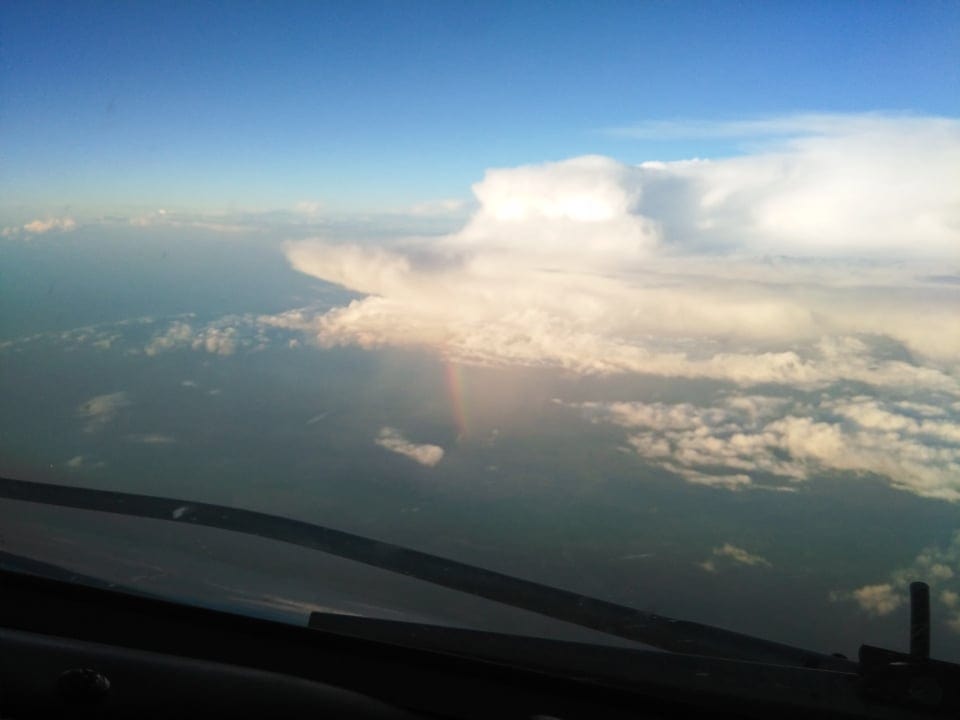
597	266
828	261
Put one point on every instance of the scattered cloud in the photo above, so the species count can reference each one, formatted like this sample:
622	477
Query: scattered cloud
391	439
938	566
740	556
100	410
734	555
224	336
40	226
178	334
915	446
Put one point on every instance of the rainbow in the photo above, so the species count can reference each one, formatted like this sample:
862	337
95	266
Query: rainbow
453	375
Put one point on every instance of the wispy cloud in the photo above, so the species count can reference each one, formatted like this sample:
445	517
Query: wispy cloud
732	554
777	126
393	440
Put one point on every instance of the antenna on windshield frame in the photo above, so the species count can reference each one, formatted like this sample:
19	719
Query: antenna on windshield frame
920	620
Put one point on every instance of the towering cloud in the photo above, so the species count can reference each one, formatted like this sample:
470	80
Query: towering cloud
826	260
775	263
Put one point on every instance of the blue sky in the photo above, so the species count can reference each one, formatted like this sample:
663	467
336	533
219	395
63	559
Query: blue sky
218	106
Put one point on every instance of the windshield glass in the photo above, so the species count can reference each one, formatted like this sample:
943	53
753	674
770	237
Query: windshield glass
652	302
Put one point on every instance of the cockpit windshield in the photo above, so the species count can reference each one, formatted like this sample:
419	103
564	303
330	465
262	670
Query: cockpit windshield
656	304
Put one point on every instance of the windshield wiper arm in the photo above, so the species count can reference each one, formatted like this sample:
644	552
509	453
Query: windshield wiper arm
648	628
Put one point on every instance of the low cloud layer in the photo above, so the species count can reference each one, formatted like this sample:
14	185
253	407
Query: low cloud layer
391	439
221	337
39	227
744	439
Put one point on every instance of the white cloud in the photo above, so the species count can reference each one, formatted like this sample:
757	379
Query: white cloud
391	439
793	265
810	264
224	336
100	410
740	556
880	599
219	341
41	226
177	335
728	444
732	554
38	227
938	566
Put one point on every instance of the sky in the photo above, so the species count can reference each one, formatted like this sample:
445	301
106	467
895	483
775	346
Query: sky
371	105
